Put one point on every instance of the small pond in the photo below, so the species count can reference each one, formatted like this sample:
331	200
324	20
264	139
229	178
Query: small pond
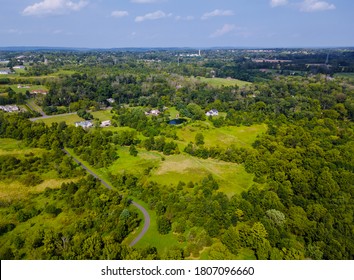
176	121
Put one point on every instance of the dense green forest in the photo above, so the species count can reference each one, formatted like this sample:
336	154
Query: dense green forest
297	201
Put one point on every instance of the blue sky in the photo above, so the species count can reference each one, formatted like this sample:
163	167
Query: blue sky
177	23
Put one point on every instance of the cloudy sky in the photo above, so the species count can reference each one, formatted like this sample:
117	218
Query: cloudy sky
177	23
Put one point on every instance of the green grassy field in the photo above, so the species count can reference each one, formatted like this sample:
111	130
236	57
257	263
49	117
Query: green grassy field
232	178
70	119
11	189
135	165
242	136
219	82
16	148
31	88
172	111
103	115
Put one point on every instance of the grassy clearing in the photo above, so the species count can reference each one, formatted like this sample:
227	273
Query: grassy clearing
11	190
31	88
219	82
16	148
242	136
102	115
135	165
70	119
173	112
232	178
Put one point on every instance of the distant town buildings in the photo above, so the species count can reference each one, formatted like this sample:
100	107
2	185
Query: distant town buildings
190	54
261	60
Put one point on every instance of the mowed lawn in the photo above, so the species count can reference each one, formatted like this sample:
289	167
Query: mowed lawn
31	88
103	115
70	119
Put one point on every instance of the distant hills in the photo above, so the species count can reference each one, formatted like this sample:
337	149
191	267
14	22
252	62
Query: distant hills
145	49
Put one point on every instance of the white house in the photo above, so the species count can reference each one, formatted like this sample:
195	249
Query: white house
19	67
154	112
212	112
9	108
105	123
84	124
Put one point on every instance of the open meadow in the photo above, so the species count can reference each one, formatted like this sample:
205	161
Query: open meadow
70	119
241	136
226	82
12	189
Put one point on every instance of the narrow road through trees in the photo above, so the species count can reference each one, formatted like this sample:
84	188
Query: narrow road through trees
137	205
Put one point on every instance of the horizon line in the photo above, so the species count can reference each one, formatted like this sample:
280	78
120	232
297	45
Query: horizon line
174	47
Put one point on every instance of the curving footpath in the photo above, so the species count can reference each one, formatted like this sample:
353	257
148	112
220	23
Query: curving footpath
137	205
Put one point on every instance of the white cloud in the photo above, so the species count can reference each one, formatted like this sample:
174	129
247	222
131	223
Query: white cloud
119	14
227	28
315	6
53	7
218	13
277	3
184	18
152	16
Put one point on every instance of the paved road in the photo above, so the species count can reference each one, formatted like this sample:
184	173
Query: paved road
51	116
40	110
137	205
44	116
146	224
